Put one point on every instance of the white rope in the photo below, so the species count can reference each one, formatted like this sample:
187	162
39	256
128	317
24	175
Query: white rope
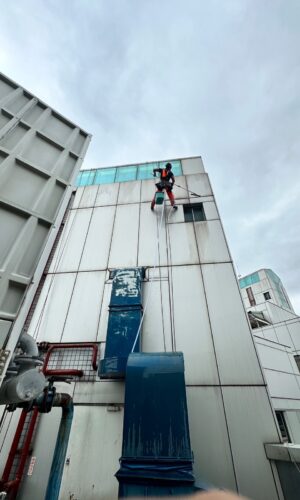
152	281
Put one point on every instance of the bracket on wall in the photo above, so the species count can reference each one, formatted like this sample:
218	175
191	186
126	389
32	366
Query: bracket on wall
4	354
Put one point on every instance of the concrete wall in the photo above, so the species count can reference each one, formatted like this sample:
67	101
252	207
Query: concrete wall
194	306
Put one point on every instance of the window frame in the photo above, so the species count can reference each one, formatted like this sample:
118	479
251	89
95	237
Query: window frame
189	212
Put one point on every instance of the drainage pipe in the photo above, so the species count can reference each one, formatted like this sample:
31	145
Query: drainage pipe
65	401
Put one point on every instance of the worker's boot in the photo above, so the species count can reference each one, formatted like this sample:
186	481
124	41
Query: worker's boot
175	207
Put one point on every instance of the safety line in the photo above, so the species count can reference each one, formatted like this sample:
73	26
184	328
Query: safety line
188	191
152	281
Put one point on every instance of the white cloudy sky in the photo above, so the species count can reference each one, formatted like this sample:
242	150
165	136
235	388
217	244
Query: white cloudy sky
155	79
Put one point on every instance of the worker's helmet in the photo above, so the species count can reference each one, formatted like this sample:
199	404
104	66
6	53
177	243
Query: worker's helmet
168	166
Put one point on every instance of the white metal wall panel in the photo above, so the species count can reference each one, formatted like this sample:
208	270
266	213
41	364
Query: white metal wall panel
73	245
130	192
236	355
283	335
88	197
192	166
78	196
124	245
183	249
294	331
211	242
156	329
286	404
283	384
292	419
210	210
100	392
107	194
209	437
199	184
50	314
95	445
35	485
251	424
97	244
192	330
269	333
180	192
83	316
148	235
273	358
148	190
61	247
175	216
102	331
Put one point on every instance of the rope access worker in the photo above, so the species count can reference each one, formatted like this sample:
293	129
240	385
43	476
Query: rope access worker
167	181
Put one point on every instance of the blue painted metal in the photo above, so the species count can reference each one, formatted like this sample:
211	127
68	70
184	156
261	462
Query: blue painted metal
60	451
156	453
125	313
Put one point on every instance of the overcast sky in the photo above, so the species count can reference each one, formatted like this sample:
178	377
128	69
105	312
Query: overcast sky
156	79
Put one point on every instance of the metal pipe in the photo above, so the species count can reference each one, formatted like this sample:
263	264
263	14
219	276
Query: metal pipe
71	373
28	345
66	403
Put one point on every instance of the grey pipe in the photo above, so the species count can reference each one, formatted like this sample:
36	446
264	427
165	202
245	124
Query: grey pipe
28	345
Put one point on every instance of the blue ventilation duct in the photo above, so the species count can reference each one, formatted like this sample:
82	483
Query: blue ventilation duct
156	454
125	313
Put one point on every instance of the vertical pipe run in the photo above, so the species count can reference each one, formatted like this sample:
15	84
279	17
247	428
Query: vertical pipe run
66	403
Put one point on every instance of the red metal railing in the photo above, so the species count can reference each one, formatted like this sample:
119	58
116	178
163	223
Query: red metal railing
12	486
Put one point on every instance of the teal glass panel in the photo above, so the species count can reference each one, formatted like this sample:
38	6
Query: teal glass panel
249	280
126	174
146	171
176	166
105	176
86	178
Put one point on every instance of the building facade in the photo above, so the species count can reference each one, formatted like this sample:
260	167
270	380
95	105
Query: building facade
276	332
191	304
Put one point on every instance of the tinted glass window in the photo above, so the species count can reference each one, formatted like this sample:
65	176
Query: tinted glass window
105	175
194	212
146	171
86	178
176	166
126	174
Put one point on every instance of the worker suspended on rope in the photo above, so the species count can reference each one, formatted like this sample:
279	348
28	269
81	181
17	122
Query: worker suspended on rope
166	182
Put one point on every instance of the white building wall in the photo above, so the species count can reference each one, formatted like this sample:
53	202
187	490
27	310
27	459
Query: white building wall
195	306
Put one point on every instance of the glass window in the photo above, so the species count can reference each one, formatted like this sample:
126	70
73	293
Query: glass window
86	178
283	427
146	171
176	166
105	175
251	296
297	359
267	295
194	212
126	174
249	280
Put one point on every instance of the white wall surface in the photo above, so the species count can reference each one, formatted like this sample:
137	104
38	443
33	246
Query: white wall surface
194	306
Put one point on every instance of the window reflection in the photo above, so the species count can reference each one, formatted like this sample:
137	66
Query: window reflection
126	174
146	171
105	175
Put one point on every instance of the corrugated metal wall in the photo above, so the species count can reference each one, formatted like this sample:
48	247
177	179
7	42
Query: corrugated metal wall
40	155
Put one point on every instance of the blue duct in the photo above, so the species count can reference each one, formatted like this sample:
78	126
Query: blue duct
156	454
53	487
125	314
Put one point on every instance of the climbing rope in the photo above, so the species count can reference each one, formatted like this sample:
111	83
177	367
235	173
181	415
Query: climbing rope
152	281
